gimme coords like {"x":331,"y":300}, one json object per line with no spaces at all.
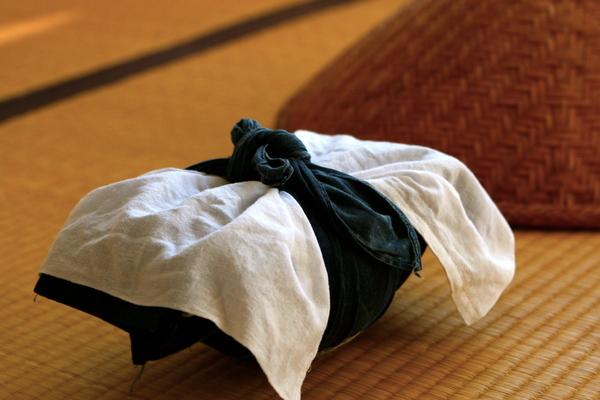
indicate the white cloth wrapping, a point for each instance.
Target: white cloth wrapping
{"x":445,"y":203}
{"x":244,"y":255}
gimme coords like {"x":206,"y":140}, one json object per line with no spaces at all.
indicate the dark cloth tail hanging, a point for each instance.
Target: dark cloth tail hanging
{"x":373,"y":222}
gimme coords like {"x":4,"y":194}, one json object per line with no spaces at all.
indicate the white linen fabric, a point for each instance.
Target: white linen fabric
{"x":445,"y":203}
{"x":244,"y":255}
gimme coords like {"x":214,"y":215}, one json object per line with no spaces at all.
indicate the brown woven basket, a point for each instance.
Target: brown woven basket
{"x":512,"y":88}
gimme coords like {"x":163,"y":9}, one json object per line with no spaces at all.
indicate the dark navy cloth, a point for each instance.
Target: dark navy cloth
{"x":368,"y":245}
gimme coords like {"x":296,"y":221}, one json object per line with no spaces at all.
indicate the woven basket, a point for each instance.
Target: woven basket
{"x":512,"y":88}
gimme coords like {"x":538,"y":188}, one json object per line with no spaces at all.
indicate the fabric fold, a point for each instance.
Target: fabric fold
{"x":242,"y":255}
{"x":446,"y":204}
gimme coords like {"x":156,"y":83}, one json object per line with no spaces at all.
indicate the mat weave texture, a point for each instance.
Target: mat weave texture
{"x":540,"y":342}
{"x":512,"y":88}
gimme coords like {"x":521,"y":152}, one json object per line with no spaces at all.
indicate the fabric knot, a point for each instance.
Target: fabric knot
{"x":263,"y":154}
{"x":369,"y":246}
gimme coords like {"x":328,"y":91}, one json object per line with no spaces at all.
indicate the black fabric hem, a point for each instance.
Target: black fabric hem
{"x":155,"y":332}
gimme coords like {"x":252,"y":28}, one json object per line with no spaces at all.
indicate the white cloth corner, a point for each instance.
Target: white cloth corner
{"x":242,"y":255}
{"x":445,"y":203}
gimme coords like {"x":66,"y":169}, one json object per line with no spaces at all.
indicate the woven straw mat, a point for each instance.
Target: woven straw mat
{"x":541,"y":341}
{"x":512,"y":88}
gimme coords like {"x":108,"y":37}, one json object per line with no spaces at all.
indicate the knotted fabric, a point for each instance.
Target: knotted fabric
{"x":175,"y":256}
{"x":251,"y":161}
{"x":368,"y":245}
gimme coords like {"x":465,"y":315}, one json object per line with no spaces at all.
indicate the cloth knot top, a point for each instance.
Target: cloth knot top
{"x":368,"y":245}
{"x":263,"y":154}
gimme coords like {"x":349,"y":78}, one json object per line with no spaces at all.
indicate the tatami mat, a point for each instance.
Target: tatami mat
{"x":540,"y":342}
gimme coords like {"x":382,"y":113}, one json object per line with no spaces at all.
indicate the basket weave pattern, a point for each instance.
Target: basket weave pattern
{"x":512,"y":88}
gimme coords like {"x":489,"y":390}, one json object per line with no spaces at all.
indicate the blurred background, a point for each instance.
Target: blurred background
{"x":84,"y":83}
{"x":94,"y":92}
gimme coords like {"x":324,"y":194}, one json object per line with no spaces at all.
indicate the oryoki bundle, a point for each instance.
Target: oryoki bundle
{"x":293,"y":245}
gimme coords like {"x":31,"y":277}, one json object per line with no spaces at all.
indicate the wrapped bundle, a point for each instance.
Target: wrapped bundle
{"x":294,"y":244}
